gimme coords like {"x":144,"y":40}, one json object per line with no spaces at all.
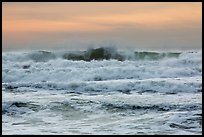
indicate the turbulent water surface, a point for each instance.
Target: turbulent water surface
{"x":101,"y":92}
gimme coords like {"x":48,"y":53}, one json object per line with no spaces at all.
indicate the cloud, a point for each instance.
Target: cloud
{"x":66,"y":16}
{"x":145,"y":24}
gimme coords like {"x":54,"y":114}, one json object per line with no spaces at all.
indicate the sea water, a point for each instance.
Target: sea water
{"x":143,"y":93}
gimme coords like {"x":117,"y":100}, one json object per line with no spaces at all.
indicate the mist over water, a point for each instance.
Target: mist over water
{"x":102,"y":91}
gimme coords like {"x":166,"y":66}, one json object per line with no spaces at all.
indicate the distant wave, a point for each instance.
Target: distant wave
{"x":42,"y":56}
{"x":107,"y":53}
{"x":111,"y":53}
{"x":101,"y":53}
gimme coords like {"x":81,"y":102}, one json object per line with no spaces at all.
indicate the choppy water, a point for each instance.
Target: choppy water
{"x":46,"y":93}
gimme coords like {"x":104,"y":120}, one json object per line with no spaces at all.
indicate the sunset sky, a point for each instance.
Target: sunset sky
{"x":78,"y":25}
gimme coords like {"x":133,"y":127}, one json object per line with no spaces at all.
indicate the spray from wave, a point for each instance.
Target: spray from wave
{"x":101,"y":53}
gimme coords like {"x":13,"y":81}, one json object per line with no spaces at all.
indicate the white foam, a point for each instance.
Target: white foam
{"x":160,"y":75}
{"x":90,"y":87}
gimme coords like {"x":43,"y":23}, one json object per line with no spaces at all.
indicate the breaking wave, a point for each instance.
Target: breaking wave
{"x":168,"y":86}
{"x":100,"y":90}
{"x":101,"y":53}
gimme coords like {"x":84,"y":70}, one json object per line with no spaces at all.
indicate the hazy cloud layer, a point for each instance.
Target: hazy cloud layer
{"x":77,"y":25}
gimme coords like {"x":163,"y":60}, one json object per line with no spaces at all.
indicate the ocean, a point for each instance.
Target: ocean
{"x":102,"y":91}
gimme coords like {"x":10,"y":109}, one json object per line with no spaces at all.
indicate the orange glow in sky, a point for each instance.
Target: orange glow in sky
{"x":135,"y":22}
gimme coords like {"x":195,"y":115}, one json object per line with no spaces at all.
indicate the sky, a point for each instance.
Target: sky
{"x":78,"y":25}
